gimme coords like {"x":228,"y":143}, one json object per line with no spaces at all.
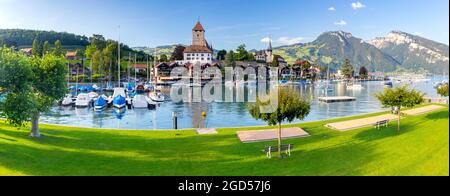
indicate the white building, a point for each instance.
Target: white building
{"x":200,"y":52}
{"x":265,"y":55}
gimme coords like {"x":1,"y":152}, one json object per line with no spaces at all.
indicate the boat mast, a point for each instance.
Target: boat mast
{"x":135,"y":73}
{"x":118,"y":60}
{"x":148,"y":70}
{"x":128,"y":69}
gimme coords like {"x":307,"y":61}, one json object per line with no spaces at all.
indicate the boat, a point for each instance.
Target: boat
{"x":229,"y":83}
{"x":388,"y":84}
{"x":157,"y":96}
{"x":119,"y":99}
{"x":101,"y":103}
{"x":67,"y":101}
{"x":355,"y":87}
{"x":140,"y":100}
{"x":83,"y":101}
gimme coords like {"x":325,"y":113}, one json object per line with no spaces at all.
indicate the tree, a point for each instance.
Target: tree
{"x":37,"y":51}
{"x":251,"y":57}
{"x":347,"y":69}
{"x":45,"y":48}
{"x":363,"y":73}
{"x":400,"y":97}
{"x":221,"y":55}
{"x":90,"y":50}
{"x":242,"y":54}
{"x":230,"y":61}
{"x":443,"y":90}
{"x":178,"y":53}
{"x":33,"y":85}
{"x":163,"y":58}
{"x":290,"y":107}
{"x":58,"y":48}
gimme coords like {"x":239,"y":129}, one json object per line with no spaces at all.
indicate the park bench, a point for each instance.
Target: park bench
{"x":380,"y":124}
{"x":270,"y":149}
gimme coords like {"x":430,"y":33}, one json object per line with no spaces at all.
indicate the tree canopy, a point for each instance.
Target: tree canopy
{"x":31,"y":84}
{"x":290,"y":107}
{"x":347,"y":69}
{"x":399,"y":98}
{"x":443,"y":90}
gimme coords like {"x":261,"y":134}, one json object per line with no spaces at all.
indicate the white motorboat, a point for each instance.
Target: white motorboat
{"x":140,"y":100}
{"x":157,"y":96}
{"x":355,"y":87}
{"x":83,"y":100}
{"x":67,"y":101}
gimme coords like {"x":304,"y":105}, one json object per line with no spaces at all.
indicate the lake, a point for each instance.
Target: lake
{"x":220,"y":114}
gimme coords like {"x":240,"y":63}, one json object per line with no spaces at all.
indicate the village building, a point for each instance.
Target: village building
{"x":71,"y":55}
{"x":27,"y":51}
{"x":267,"y":56}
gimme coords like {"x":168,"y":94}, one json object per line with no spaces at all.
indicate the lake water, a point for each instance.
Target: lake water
{"x":221,"y":114}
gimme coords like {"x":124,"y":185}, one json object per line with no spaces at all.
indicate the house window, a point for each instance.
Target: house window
{"x":203,"y":59}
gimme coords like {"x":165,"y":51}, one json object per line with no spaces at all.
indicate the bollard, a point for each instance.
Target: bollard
{"x":175,"y":121}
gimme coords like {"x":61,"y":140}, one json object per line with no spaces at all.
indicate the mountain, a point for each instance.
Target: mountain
{"x":24,"y":38}
{"x":413,"y":51}
{"x":332,"y":48}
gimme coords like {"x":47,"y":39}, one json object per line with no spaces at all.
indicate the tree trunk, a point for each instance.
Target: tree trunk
{"x":35,"y":126}
{"x":279,"y":141}
{"x":399,"y":117}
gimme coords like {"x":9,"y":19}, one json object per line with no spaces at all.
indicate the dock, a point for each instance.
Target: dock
{"x":337,"y":99}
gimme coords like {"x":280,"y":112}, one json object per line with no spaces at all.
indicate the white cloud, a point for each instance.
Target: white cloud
{"x":289,"y":40}
{"x":358,"y":5}
{"x":283,"y":40}
{"x":340,"y":23}
{"x":266,"y":40}
{"x":332,"y":9}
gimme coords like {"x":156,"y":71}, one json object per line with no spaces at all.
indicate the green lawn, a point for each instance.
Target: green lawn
{"x":421,"y":148}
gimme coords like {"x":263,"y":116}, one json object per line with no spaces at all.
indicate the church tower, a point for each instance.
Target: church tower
{"x":198,"y":35}
{"x":269,"y":52}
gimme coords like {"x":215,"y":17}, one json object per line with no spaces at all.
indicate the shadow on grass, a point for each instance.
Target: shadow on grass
{"x":346,"y":159}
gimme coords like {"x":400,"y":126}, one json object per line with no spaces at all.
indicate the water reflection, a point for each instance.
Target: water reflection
{"x":224,"y":114}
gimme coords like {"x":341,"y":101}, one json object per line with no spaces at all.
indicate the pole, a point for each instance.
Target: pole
{"x":135,"y":73}
{"x":175,"y":120}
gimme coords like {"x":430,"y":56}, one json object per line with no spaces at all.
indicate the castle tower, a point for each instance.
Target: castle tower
{"x":198,"y":35}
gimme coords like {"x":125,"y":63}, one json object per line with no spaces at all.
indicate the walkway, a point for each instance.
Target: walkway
{"x":269,"y":135}
{"x":371,"y":121}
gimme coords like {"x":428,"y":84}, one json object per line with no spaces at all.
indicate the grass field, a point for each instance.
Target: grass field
{"x":421,"y":148}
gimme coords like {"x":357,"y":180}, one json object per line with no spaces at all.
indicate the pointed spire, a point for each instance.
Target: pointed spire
{"x":270,"y":44}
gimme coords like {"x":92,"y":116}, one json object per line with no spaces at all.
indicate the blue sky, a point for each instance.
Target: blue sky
{"x":229,"y":22}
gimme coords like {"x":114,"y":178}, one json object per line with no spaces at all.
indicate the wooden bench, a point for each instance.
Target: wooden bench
{"x":381,"y":124}
{"x":270,"y":149}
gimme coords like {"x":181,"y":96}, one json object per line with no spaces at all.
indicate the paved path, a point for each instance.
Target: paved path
{"x":204,"y":131}
{"x":360,"y":123}
{"x":371,"y":121}
{"x":423,"y":110}
{"x":269,"y":135}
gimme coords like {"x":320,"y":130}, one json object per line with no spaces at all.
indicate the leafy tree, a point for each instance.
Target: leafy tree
{"x":400,"y":97}
{"x":347,"y":69}
{"x":363,"y":73}
{"x":221,"y":55}
{"x":443,"y":90}
{"x":90,"y":50}
{"x":242,"y":54}
{"x":178,"y":53}
{"x":37,"y":51}
{"x":45,"y":48}
{"x":290,"y":107}
{"x":58,"y":48}
{"x":163,"y":58}
{"x":230,"y":60}
{"x":251,"y":57}
{"x":33,"y":85}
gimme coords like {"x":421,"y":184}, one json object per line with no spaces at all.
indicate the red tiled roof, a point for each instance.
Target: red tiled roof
{"x":197,"y":49}
{"x":139,"y":66}
{"x":198,"y":27}
{"x":71,"y":54}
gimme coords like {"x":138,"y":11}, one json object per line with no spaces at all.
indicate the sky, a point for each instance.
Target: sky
{"x":228,"y":23}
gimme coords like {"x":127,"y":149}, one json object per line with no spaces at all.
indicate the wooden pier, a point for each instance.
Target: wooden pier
{"x":337,"y":99}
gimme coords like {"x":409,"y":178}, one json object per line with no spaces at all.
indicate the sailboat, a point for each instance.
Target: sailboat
{"x":119,"y":98}
{"x":156,"y":96}
{"x":83,"y":100}
{"x":101,"y":103}
{"x":67,"y":101}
